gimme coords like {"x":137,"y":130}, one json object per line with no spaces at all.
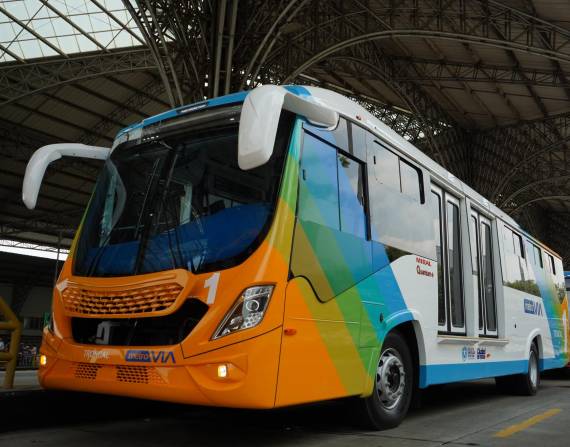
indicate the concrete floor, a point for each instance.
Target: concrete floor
{"x":463,"y":414}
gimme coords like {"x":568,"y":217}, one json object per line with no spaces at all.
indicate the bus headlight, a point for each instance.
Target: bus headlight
{"x":247,"y":312}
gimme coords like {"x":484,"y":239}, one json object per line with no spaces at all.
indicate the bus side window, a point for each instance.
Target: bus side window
{"x":386,"y":168}
{"x":410,"y":179}
{"x":559,"y":280}
{"x":351,"y":196}
{"x":398,"y":211}
{"x":318,"y":199}
{"x":550,"y":263}
{"x":330,"y":247}
{"x":517,"y":241}
{"x":337,"y":137}
{"x":518,"y":275}
{"x":537,"y":256}
{"x":358,"y":148}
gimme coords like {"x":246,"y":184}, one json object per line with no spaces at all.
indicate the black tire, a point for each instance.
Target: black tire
{"x":523,"y":384}
{"x":505,"y":384}
{"x":383,"y":410}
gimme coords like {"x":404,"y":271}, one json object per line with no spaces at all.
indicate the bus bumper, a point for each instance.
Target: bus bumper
{"x":241,"y":375}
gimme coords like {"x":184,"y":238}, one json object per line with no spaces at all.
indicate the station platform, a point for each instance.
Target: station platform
{"x":24,"y":381}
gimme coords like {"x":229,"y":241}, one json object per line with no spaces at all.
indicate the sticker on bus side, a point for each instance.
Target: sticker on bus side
{"x":532,"y":307}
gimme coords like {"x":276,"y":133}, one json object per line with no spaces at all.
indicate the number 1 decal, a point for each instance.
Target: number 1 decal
{"x":212,"y":284}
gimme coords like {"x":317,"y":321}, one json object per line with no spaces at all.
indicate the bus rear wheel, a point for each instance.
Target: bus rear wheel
{"x":388,"y":404}
{"x":523,"y":384}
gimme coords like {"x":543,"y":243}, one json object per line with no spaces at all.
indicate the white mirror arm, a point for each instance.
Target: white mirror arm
{"x":260,"y":119}
{"x":37,"y":165}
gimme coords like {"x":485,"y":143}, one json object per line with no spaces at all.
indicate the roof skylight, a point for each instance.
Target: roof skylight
{"x":41,"y":28}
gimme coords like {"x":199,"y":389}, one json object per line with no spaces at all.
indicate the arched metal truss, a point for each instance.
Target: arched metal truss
{"x":482,"y":86}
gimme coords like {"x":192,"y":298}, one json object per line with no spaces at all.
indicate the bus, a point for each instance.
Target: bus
{"x":283,"y":246}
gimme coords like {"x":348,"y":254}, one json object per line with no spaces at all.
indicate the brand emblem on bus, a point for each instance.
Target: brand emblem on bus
{"x":532,"y":307}
{"x":149,"y":356}
{"x":94,"y":355}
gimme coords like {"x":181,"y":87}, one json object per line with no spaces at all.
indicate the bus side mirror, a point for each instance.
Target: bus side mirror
{"x":37,"y":165}
{"x":260,"y":117}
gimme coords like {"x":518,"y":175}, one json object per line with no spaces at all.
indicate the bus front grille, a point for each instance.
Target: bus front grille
{"x":87,"y":371}
{"x":139,"y":374}
{"x":147,"y":375}
{"x":81,"y":301}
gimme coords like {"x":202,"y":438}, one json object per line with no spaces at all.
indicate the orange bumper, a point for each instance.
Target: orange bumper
{"x":162,"y":373}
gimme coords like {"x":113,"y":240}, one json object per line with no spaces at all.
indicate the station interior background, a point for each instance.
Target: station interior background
{"x":481,"y":86}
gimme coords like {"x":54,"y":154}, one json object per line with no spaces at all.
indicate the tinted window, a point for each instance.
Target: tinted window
{"x":474,"y":239}
{"x":518,"y":247}
{"x":551,"y":266}
{"x":517,"y":274}
{"x":396,"y":218}
{"x":337,"y":137}
{"x":436,"y":204}
{"x":537,"y":256}
{"x":487,"y":277}
{"x":411,"y":181}
{"x":318,"y":200}
{"x":358,"y":142}
{"x":533,"y":252}
{"x":386,"y":170}
{"x":474,"y":244}
{"x":351,"y":196}
{"x":330,"y":247}
{"x":454,"y":259}
{"x":508,"y":240}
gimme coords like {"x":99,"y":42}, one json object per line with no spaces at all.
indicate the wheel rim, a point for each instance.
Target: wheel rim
{"x":533,"y":369}
{"x":390,"y":379}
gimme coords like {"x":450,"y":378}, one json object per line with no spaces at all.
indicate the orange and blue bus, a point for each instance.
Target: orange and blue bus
{"x":283,"y":246}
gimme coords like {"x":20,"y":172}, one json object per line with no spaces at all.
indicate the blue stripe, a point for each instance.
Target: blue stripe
{"x":298,"y":90}
{"x":552,"y":363}
{"x":220,"y":101}
{"x":457,"y":372}
{"x":227,"y":99}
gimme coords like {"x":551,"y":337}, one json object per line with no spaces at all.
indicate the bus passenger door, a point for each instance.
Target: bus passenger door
{"x":482,"y":261}
{"x":451,"y":304}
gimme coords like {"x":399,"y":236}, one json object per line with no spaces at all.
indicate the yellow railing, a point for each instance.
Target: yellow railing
{"x":13,"y":325}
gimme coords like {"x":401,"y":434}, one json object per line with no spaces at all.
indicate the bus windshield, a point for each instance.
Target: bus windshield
{"x":177,"y":202}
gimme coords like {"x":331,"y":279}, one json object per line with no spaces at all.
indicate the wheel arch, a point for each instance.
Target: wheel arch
{"x":410,"y":329}
{"x":535,"y":337}
{"x":408,"y":323}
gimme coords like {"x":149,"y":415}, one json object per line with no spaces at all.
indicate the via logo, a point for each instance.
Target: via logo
{"x":532,"y":307}
{"x":136,"y":355}
{"x":464,"y":354}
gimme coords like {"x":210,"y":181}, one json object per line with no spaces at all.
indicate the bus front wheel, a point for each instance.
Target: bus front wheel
{"x":388,"y":404}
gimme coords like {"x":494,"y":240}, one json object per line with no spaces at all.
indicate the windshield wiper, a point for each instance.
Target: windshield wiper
{"x":149,"y":227}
